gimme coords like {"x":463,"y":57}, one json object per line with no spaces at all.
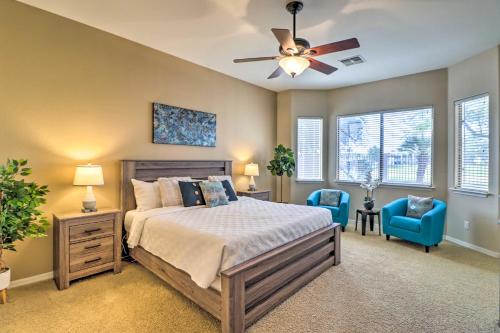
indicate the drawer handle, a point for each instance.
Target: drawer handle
{"x":92,"y":260}
{"x":91,"y":246}
{"x":89,"y":231}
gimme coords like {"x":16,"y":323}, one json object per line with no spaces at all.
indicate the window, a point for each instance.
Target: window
{"x":392,"y":146}
{"x":472,"y":143}
{"x":310,"y":149}
{"x":358,"y":147}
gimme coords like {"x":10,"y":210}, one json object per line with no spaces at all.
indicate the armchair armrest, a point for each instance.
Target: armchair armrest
{"x":345,"y":201}
{"x":313,"y":199}
{"x":433,"y":221}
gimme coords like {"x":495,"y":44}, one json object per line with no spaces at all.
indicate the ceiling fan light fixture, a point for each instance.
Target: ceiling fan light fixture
{"x":294,"y":65}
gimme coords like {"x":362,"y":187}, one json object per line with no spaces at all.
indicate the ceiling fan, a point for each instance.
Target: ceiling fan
{"x":296,"y":54}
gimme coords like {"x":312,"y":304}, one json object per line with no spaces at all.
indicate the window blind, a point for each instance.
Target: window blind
{"x":309,"y":149}
{"x":358,"y":147}
{"x":394,"y":147}
{"x":407,"y":147}
{"x":472,"y":143}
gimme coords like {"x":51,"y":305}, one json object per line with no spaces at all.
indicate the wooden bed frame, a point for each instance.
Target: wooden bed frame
{"x":252,"y":288}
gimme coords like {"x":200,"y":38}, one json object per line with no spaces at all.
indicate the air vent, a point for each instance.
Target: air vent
{"x":353,"y":60}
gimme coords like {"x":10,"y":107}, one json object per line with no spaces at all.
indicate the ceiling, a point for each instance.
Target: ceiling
{"x":397,"y":37}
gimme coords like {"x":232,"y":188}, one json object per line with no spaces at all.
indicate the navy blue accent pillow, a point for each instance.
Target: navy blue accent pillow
{"x":231,"y":196}
{"x":191,"y":194}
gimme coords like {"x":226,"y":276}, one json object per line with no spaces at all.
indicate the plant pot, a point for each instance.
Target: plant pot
{"x":369,"y":204}
{"x":4,"y":278}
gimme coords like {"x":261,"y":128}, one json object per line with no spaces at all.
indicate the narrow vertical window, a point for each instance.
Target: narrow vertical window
{"x":472,"y":144}
{"x":310,"y":149}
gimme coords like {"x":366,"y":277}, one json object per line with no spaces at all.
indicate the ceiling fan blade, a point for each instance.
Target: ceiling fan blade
{"x":276,"y":73}
{"x":284,"y":36}
{"x":253,"y":59}
{"x":342,"y":45}
{"x":321,"y":66}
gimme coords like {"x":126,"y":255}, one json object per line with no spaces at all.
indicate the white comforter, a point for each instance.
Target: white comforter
{"x":205,"y":241}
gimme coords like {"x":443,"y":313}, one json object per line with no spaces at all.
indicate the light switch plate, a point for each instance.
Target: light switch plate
{"x":467,"y":225}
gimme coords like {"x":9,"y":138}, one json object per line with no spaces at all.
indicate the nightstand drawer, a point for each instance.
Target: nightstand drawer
{"x":90,"y":247}
{"x":91,"y":260}
{"x":90,"y":230}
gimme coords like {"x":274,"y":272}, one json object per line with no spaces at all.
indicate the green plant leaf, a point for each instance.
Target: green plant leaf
{"x":19,"y":201}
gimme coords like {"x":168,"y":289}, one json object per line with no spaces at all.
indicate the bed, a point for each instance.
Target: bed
{"x":247,"y":286}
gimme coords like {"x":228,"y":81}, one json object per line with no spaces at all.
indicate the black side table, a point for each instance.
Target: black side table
{"x":364,"y":213}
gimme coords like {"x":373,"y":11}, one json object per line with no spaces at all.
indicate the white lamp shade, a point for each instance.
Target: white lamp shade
{"x":252,"y":169}
{"x":88,"y":175}
{"x":294,"y":65}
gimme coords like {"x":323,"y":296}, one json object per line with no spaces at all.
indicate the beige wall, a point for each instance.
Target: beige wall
{"x":423,"y":89}
{"x":284,"y":130}
{"x":71,"y":94}
{"x":476,"y":75}
{"x":291,"y":105}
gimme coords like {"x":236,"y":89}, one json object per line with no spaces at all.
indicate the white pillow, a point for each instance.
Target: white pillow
{"x":170,"y":192}
{"x":147,"y":195}
{"x":221,"y":178}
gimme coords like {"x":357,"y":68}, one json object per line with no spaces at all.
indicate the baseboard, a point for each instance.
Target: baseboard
{"x":32,"y":279}
{"x":50,"y":275}
{"x":472,"y":247}
{"x":462,"y":243}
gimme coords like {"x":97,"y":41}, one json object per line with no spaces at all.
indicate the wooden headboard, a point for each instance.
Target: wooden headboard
{"x":149,"y":171}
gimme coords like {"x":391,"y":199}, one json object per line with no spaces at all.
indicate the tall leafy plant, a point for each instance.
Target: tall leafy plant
{"x":20,"y":216}
{"x":282,"y":164}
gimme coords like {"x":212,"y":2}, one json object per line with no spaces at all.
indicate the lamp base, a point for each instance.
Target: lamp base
{"x":89,"y":202}
{"x":89,"y":207}
{"x":251,"y":185}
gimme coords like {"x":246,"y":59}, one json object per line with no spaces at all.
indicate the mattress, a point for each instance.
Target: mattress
{"x":205,"y":241}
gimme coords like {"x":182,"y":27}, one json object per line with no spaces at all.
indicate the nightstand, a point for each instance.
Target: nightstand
{"x":86,"y":244}
{"x":260,"y":195}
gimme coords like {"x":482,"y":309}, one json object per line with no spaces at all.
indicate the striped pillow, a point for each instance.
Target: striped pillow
{"x":170,"y":192}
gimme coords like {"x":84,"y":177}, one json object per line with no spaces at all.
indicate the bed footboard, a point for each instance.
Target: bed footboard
{"x":255,"y":287}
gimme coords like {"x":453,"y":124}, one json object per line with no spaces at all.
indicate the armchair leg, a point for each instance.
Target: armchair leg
{"x":343,"y":228}
{"x":426,"y":249}
{"x":387,"y":236}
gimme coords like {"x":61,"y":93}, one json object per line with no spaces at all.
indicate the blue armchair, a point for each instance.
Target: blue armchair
{"x":427,"y":231}
{"x":340,"y":214}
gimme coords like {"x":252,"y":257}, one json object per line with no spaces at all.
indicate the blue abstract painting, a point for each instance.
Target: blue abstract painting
{"x":178,"y":126}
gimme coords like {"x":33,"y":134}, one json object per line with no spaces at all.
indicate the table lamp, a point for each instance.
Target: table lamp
{"x":251,"y":170}
{"x":88,"y":175}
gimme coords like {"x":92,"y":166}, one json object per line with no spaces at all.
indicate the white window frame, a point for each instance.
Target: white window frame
{"x":456,"y":187}
{"x":387,"y":184}
{"x":321,"y":179}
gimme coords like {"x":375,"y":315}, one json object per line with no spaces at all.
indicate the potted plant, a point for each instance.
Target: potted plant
{"x":19,"y":213}
{"x":369,"y":185}
{"x":283,"y":163}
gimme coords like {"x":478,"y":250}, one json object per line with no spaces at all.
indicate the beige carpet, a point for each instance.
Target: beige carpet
{"x":379,"y":287}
